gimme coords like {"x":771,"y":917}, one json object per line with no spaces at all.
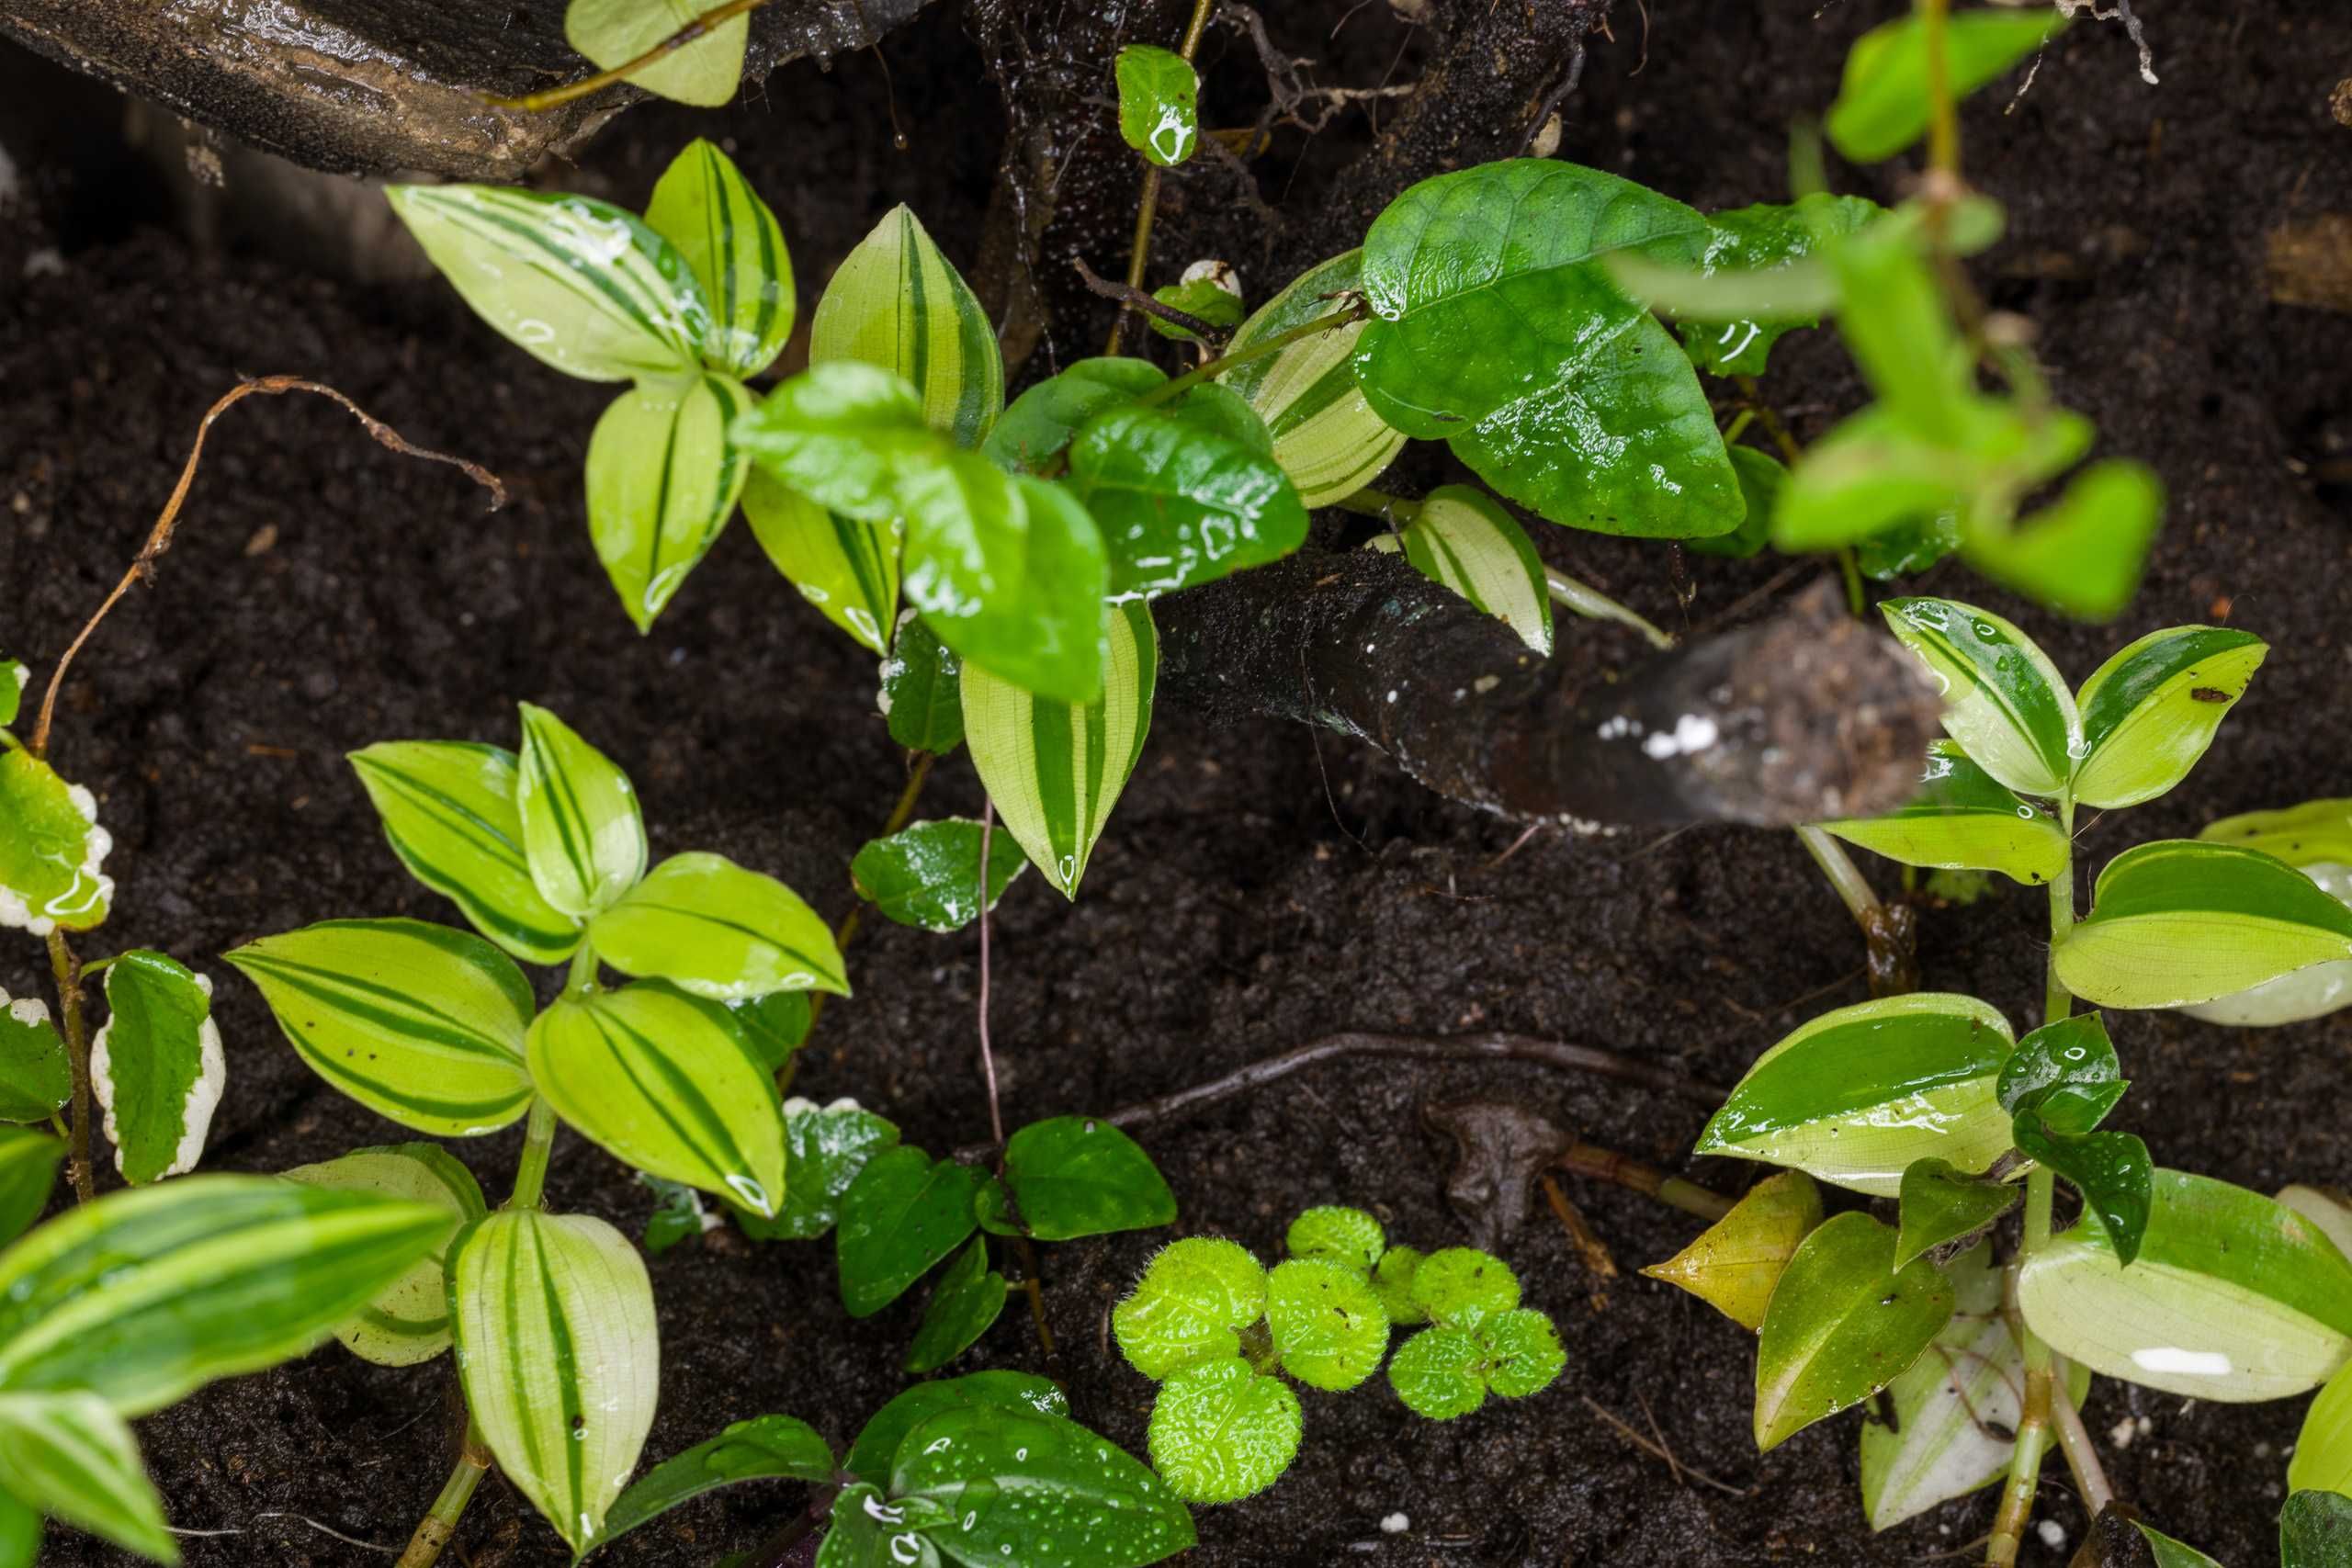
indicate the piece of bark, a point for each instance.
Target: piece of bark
{"x":1808,"y":715}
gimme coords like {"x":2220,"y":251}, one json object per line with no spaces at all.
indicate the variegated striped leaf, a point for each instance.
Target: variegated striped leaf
{"x":1963,"y":820}
{"x":150,"y":1293}
{"x":1325,"y":436}
{"x":1856,"y":1095}
{"x":2004,"y":701}
{"x":449,"y":814}
{"x":408,"y":1320}
{"x":662,"y":1081}
{"x":1056,"y":771}
{"x":28,"y":1170}
{"x":662,"y":478}
{"x":156,"y":1067}
{"x":895,"y":302}
{"x":71,"y":1457}
{"x":719,"y":930}
{"x":417,"y":1022}
{"x":559,"y":1356}
{"x":2181,"y":921}
{"x":1463,"y":538}
{"x":2150,"y":712}
{"x":703,"y":205}
{"x":2234,"y":1297}
{"x":846,"y":567}
{"x":581,"y":828}
{"x":577,"y":283}
{"x":50,"y":850}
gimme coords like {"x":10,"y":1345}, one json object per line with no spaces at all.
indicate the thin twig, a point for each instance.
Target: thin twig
{"x":700,"y":27}
{"x":1657,"y":1452}
{"x":67,"y":969}
{"x":1208,"y":331}
{"x":988,"y":1056}
{"x":1590,"y":1247}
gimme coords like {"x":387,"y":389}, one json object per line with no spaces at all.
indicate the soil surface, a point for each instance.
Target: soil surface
{"x":1259,"y":885}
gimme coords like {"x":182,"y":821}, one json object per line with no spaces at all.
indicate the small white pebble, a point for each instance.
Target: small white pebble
{"x":1395,"y":1524}
{"x":2261,"y":1450}
{"x":2124,"y":1431}
{"x":2052,"y":1535}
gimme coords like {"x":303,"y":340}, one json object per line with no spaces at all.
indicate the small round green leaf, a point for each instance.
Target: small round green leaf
{"x":1462,"y":1287}
{"x":1438,"y":1374}
{"x":1844,"y":1323}
{"x":1392,"y":1280}
{"x":1522,"y":1352}
{"x":1158,"y":116}
{"x":1075,"y":1176}
{"x":1328,"y":1326}
{"x":903,"y":1214}
{"x":1194,"y":1298}
{"x":928,"y":874}
{"x":1346,"y":1236}
{"x":1180,"y":503}
{"x":1220,"y":1431}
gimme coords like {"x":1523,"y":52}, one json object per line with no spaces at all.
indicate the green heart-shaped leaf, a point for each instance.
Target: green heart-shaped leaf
{"x":903,"y":1214}
{"x":1158,"y":115}
{"x":966,"y":1299}
{"x":1075,"y":1176}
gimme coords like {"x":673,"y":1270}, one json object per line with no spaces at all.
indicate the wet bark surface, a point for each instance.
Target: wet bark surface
{"x":1261,"y":884}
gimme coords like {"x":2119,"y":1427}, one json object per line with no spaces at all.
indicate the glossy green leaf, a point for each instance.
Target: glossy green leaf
{"x":923,"y":695}
{"x":655,"y":1078}
{"x":1462,"y":1287}
{"x":824,"y":1149}
{"x":1734,"y":1263}
{"x":1076,"y":1175}
{"x":1329,"y":1328}
{"x":2232,"y":1297}
{"x":71,"y":1456}
{"x":1463,"y":538}
{"x":1963,"y":820}
{"x":1179,"y":504}
{"x":2150,"y":712}
{"x":560,"y":1358}
{"x":1393,"y":1279}
{"x":50,"y":850}
{"x":148,"y":1295}
{"x":408,"y":1320}
{"x":903,"y":1214}
{"x":1856,"y":1095}
{"x":839,"y":434}
{"x":156,"y":1065}
{"x":1761,"y":480}
{"x":1882,"y":104}
{"x":1436,"y":1374}
{"x":417,"y":1022}
{"x":449,"y":812}
{"x":929,"y":875}
{"x":866,"y":1530}
{"x":662,"y":480}
{"x":2060,"y":1083}
{"x":2314,"y":1531}
{"x":703,"y":205}
{"x":1203,"y":298}
{"x":578,"y":283}
{"x":2169,"y":1553}
{"x":2070,"y":1053}
{"x":1908,"y":548}
{"x":2084,"y":553}
{"x":613,"y":33}
{"x":2004,"y":701}
{"x":29,"y":1162}
{"x":897,"y":303}
{"x":1044,"y":629}
{"x":581,"y":829}
{"x":1953,"y":1406}
{"x":1754,"y":243}
{"x":2323,"y":1457}
{"x":847,"y":567}
{"x":967,"y":1299}
{"x":1158,"y":113}
{"x":1193,"y":1298}
{"x":1523,"y":1353}
{"x":1042,"y":422}
{"x":1221,"y":1431}
{"x":1326,"y":435}
{"x":878,"y":1441}
{"x":1941,"y":1206}
{"x":1843,"y":1324}
{"x":35,"y":1078}
{"x":1342,"y":1235}
{"x":765,"y":1447}
{"x":1036,"y":1492}
{"x":2182,"y":921}
{"x":720,"y":931}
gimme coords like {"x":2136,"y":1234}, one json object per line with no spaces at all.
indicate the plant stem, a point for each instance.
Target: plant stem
{"x":2074,"y":1442}
{"x":531,"y":1170}
{"x":988,"y":1056}
{"x":1148,"y":202}
{"x":1860,"y":900}
{"x":555,"y":96}
{"x":1581,"y":598}
{"x":1943,"y":113}
{"x":1607,"y":1165}
{"x":1379,"y":503}
{"x":77,"y":1053}
{"x":1259,"y":350}
{"x":846,"y":932}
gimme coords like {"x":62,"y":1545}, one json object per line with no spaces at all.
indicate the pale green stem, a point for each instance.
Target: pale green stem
{"x":531,"y":1171}
{"x":1943,"y":121}
{"x":439,"y":1526}
{"x":1583,"y":598}
{"x":1177,"y":388}
{"x":2074,"y":1442}
{"x":1379,"y":503}
{"x":1860,"y":900}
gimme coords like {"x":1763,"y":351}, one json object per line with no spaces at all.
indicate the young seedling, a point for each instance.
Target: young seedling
{"x":1219,"y":1333}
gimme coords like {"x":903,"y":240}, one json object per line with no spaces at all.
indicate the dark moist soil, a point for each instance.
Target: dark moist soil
{"x":1256,"y":889}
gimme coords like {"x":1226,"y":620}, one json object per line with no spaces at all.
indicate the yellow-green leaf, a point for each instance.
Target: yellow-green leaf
{"x":895,"y":302}
{"x":2004,"y":700}
{"x":1843,"y":1323}
{"x":2150,"y":712}
{"x":705,"y":72}
{"x":1736,"y":1261}
{"x":1963,"y":820}
{"x":1463,"y":538}
{"x":408,"y":1320}
{"x":847,"y":567}
{"x":2182,"y":921}
{"x":1327,"y":437}
{"x":71,"y":1456}
{"x":720,"y":931}
{"x":703,"y":205}
{"x":581,"y":828}
{"x":50,"y":850}
{"x":662,"y":480}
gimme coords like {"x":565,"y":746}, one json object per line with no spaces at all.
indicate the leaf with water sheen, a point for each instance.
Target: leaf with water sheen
{"x":450,"y":813}
{"x":928,"y":874}
{"x":1325,"y":436}
{"x":156,"y":1065}
{"x":824,"y":1149}
{"x":703,"y":205}
{"x":895,"y":302}
{"x":35,"y":1078}
{"x":903,"y":1214}
{"x":878,"y":1441}
{"x":1037,"y":1492}
{"x":2150,"y":712}
{"x":1882,"y":104}
{"x":1734,"y":1263}
{"x":417,"y":1022}
{"x":847,"y":567}
{"x":2182,"y":920}
{"x":408,"y":1320}
{"x":705,"y":72}
{"x":2234,"y":1297}
{"x":1437,"y":1373}
{"x":559,"y":1356}
{"x":1042,"y":422}
{"x":1045,"y":631}
{"x":720,"y":931}
{"x":2314,"y":1531}
{"x":1344,"y":1236}
{"x":1177,"y":502}
{"x":765,"y":1447}
{"x":1844,"y":1323}
{"x":1221,"y":1431}
{"x":923,"y":697}
{"x":1193,"y":1298}
{"x":967,"y":1299}
{"x":1076,"y":1175}
{"x":71,"y":1456}
{"x":1856,"y":1094}
{"x":1463,"y":538}
{"x":1158,"y":116}
{"x":1963,"y":820}
{"x":581,"y":828}
{"x":50,"y":850}
{"x":1754,"y":243}
{"x":1941,"y":1206}
{"x":662,"y":480}
{"x":29,"y":1162}
{"x":2004,"y":701}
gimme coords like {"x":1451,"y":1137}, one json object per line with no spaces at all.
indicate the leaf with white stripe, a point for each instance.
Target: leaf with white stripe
{"x":415,"y":1021}
{"x":577,"y":283}
{"x":895,"y":302}
{"x":71,"y":1457}
{"x":2182,"y":920}
{"x":720,"y":932}
{"x":450,"y":813}
{"x":1055,"y":771}
{"x":29,"y":1163}
{"x":2004,"y":700}
{"x":662,"y":480}
{"x":156,"y":1065}
{"x":665,"y":1083}
{"x":581,"y":828}
{"x":1963,"y":820}
{"x":50,"y":850}
{"x":559,"y":1356}
{"x":2150,"y":712}
{"x":1325,"y":436}
{"x":847,"y":567}
{"x":1463,"y":538}
{"x":35,"y":1078}
{"x":703,"y":205}
{"x":705,"y":72}
{"x":408,"y":1320}
{"x":148,"y":1295}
